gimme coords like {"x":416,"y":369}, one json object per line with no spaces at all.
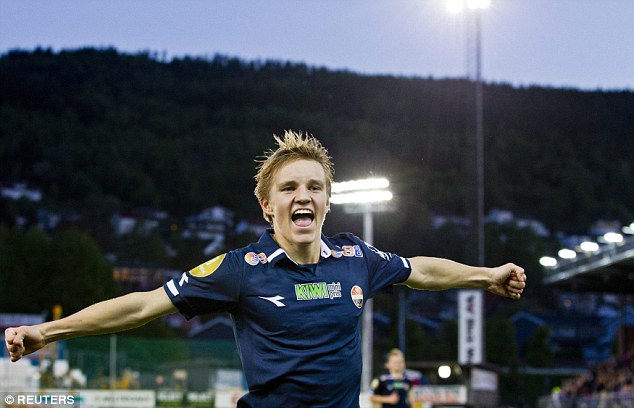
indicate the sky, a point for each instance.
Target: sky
{"x":581,"y":44}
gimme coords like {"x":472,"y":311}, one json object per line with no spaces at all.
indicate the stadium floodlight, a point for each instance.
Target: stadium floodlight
{"x":457,"y":6}
{"x":363,"y":184}
{"x":567,"y":254}
{"x":371,"y":190}
{"x":360,"y":197}
{"x":548,"y":261}
{"x":613,"y":238}
{"x":589,"y":246}
{"x":365,"y":196}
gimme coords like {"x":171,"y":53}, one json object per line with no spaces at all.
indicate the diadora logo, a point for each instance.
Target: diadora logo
{"x":319,"y":290}
{"x":275,"y":300}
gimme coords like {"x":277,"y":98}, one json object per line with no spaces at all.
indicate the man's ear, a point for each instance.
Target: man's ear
{"x":266,"y":206}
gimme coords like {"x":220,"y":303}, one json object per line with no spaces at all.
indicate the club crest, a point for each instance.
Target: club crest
{"x":356,"y":293}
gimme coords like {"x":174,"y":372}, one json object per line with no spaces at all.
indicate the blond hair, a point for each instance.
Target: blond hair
{"x":395,"y":352}
{"x":293,"y":146}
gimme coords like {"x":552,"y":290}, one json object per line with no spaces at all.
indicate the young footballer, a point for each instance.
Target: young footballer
{"x":295,"y":296}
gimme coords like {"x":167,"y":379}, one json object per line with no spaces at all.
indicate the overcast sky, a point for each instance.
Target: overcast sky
{"x":585,"y":44}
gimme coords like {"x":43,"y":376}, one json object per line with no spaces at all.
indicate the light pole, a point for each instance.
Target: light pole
{"x":470,"y":312}
{"x":475,"y":8}
{"x":479,"y":135}
{"x":365,"y":196}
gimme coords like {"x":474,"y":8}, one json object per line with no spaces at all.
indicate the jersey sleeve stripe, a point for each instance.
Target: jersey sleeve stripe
{"x":172,"y":288}
{"x":405,"y":263}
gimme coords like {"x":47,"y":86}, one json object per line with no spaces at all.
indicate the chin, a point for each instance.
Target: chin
{"x":306,"y":236}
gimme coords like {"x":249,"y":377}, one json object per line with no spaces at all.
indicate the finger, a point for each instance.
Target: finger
{"x":9,"y":334}
{"x":521,"y":275}
{"x":515,"y":285}
{"x":15,"y":347}
{"x":17,"y":338}
{"x":16,"y":352}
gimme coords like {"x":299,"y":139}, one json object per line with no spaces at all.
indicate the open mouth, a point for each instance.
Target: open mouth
{"x":303,"y":218}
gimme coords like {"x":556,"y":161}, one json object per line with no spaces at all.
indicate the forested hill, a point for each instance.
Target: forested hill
{"x":99,"y":128}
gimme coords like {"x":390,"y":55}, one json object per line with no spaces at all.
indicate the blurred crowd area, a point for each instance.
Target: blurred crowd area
{"x":608,"y":384}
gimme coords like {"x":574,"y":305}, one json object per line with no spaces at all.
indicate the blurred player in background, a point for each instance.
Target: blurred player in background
{"x":393,"y":389}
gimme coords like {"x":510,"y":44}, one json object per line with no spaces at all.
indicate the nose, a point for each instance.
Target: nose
{"x":303,"y":195}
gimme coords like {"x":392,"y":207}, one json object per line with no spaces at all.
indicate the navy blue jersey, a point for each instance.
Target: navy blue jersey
{"x":296,"y":326}
{"x":388,"y":384}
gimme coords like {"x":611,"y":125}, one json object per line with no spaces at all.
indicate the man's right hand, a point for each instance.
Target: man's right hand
{"x":393,"y":398}
{"x":23,"y":340}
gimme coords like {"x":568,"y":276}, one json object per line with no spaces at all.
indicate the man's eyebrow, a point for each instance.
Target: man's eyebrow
{"x":287,"y":182}
{"x":294,"y":182}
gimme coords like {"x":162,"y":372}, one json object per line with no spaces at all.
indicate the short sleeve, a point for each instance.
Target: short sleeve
{"x":378,"y":387}
{"x":211,"y":287}
{"x":385,"y":269}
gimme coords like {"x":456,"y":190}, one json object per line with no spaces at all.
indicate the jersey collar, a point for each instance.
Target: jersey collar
{"x":274,"y":253}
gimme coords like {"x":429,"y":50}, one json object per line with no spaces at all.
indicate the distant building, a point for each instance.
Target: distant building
{"x":47,"y":220}
{"x":134,"y":278}
{"x":498,"y":216}
{"x":495,"y":216}
{"x":20,"y":191}
{"x":590,"y":336}
{"x":212,"y":224}
{"x":255,"y":226}
{"x":122,"y":224}
{"x":144,"y":220}
{"x":439,"y":221}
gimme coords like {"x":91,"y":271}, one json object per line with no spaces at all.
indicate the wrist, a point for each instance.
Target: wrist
{"x":50,"y":331}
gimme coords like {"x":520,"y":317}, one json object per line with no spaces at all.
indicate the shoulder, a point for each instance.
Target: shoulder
{"x":379,"y":381}
{"x":385,"y":377}
{"x":236,"y":259}
{"x":344,"y":238}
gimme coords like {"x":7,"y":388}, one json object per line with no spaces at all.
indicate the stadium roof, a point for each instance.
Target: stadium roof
{"x":610,"y":270}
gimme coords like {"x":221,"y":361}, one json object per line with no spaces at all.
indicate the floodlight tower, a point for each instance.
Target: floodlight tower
{"x":470,"y":311}
{"x":366,"y":197}
{"x":475,"y":8}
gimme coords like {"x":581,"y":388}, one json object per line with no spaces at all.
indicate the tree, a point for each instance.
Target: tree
{"x":41,"y":272}
{"x":81,"y":275}
{"x":24,"y":271}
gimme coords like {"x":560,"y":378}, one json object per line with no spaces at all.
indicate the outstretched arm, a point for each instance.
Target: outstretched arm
{"x":438,"y":274}
{"x":118,"y":314}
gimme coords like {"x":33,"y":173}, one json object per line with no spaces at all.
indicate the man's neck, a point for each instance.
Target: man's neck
{"x":304,"y":254}
{"x":397,"y":374}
